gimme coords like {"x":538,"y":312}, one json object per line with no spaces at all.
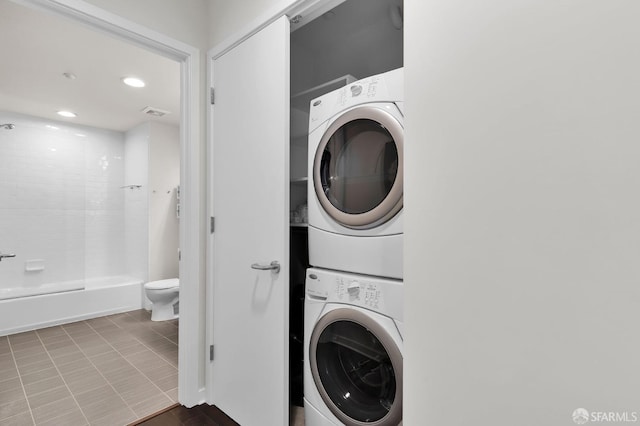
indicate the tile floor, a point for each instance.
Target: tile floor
{"x":105,"y":371}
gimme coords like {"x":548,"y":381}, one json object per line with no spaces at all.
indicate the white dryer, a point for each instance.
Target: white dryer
{"x":353,"y":350}
{"x":355,"y":192}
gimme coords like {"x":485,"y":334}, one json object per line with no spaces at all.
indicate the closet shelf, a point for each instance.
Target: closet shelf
{"x":300,"y":105}
{"x":301,"y":99}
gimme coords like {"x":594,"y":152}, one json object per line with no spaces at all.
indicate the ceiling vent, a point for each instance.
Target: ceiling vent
{"x":156,"y":112}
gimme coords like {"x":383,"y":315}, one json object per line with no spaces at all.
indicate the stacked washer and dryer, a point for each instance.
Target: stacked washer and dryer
{"x":353,"y":316}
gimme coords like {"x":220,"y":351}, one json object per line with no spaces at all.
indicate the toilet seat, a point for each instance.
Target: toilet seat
{"x":162,"y":284}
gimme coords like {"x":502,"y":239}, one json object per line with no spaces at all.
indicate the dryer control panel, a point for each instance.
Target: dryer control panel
{"x":366,"y":88}
{"x":385,"y":87}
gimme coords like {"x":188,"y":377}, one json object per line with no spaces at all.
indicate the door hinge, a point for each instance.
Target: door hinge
{"x":213,"y":224}
{"x":213,"y":98}
{"x":211,"y":353}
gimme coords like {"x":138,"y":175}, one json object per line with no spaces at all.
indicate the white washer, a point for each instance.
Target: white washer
{"x":355,"y":191}
{"x":353,"y":350}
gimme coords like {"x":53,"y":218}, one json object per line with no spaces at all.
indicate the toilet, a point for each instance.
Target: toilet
{"x":163,"y":295}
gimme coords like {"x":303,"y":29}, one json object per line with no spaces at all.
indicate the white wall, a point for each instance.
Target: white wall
{"x":164,"y":179}
{"x":61,"y":201}
{"x":521,"y":211}
{"x":152,"y":160}
{"x":184,"y":21}
{"x":226,"y":18}
{"x":104,"y":201}
{"x":137,"y":201}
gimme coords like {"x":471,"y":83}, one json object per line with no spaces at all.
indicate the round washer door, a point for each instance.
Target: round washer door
{"x":357,"y":369}
{"x":358,"y":167}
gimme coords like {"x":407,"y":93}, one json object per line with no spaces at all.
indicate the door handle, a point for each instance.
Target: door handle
{"x":273,"y":266}
{"x":3,"y":255}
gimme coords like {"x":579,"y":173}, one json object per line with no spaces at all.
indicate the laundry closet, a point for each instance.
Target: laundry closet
{"x":352,"y":41}
{"x":263,"y":84}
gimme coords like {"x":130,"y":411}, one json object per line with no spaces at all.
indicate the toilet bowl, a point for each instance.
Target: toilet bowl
{"x":163,"y":295}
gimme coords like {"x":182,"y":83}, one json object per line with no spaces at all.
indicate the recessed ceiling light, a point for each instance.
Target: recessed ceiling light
{"x":67,"y":114}
{"x":133,"y":82}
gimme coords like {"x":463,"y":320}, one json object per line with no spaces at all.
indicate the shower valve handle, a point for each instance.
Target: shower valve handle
{"x":3,"y":255}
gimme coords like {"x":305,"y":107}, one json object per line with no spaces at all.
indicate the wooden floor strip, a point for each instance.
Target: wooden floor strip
{"x":150,"y":416}
{"x":200,"y":415}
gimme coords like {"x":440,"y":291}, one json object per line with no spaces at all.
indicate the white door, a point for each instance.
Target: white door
{"x":251,"y":209}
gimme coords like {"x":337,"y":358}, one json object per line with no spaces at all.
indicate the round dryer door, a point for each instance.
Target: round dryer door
{"x":357,"y":368}
{"x":357,"y":168}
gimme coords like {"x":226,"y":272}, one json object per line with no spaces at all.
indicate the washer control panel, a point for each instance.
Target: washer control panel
{"x":381,"y":295}
{"x":347,"y":289}
{"x":358,"y":292}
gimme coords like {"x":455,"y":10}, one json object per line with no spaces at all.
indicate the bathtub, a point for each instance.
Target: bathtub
{"x":24,"y":309}
{"x":17,"y":292}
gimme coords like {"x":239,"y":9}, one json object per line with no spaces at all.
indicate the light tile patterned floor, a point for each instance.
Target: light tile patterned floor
{"x":104,"y":371}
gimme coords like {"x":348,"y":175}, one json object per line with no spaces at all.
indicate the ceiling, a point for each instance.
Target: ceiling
{"x":42,"y":47}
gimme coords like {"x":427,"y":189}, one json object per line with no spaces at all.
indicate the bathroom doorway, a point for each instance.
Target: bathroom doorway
{"x":95,"y":237}
{"x":91,"y":165}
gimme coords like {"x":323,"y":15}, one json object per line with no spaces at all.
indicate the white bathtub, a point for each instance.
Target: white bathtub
{"x":74,"y":302}
{"x":17,"y":292}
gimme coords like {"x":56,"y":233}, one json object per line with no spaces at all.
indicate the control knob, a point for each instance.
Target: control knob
{"x":353,"y":288}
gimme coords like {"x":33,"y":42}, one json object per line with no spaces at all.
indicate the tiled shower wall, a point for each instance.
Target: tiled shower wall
{"x":61,"y":201}
{"x":136,"y":201}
